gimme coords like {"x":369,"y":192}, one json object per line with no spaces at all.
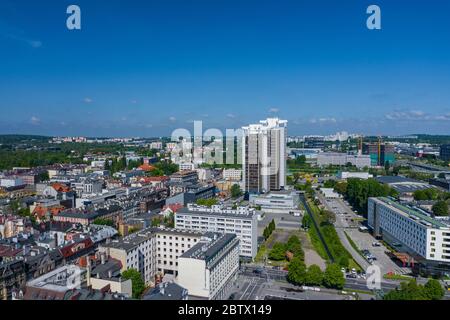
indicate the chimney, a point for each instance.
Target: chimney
{"x":88,"y":268}
{"x":103,"y":258}
{"x":109,"y":273}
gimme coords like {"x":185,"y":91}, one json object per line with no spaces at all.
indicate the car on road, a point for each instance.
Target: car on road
{"x":376,"y":244}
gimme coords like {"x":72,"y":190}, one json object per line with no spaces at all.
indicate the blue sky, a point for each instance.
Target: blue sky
{"x":144,"y":68}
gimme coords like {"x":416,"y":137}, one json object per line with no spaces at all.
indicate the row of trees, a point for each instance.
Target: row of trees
{"x":299,"y":274}
{"x":269,"y":229}
{"x":358,"y":191}
{"x":104,"y":222}
{"x":430,"y":194}
{"x":432,"y":290}
{"x":440,"y":208}
{"x":28,"y":158}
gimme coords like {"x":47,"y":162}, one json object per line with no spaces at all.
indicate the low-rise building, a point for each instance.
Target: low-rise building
{"x":343,"y":175}
{"x":342,"y":159}
{"x":277,"y":201}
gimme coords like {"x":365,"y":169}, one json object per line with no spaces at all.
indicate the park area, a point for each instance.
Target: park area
{"x":282,"y":236}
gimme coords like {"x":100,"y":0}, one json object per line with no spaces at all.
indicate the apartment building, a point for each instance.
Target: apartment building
{"x":232,"y":174}
{"x":152,"y":251}
{"x":209,"y":269}
{"x":242,"y":222}
{"x":413,"y":231}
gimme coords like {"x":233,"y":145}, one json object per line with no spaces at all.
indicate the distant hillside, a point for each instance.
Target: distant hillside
{"x":21,"y":138}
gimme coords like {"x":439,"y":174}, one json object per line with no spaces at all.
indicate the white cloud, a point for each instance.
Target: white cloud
{"x":231,"y":116}
{"x":30,"y":42}
{"x":274,"y":110}
{"x":134,"y":101}
{"x":172,"y":119}
{"x":323,"y":120}
{"x":88,"y":100}
{"x":416,"y":115}
{"x":35,"y":121}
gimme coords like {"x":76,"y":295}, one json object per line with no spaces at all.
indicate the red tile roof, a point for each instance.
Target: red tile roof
{"x":146,"y":167}
{"x":59,"y":187}
{"x":174,"y":207}
{"x":73,"y":248}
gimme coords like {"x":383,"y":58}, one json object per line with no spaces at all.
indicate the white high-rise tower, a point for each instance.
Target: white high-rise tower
{"x":264,"y":155}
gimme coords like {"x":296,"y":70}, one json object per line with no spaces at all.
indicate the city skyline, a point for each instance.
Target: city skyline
{"x":146,"y":69}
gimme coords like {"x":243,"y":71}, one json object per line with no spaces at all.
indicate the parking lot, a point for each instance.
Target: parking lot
{"x":349,"y":222}
{"x":282,"y":221}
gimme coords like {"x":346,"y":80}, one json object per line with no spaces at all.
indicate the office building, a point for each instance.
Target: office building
{"x":314,"y":142}
{"x":152,"y":251}
{"x":444,"y":152}
{"x":342,"y":159}
{"x":264,"y":155}
{"x":380,"y":153}
{"x":411,"y":230}
{"x":277,"y":201}
{"x":232,"y":174}
{"x":209,"y":269}
{"x":243,"y":222}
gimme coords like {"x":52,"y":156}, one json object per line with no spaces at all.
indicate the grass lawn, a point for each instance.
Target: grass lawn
{"x":261,"y":254}
{"x":397,"y":277}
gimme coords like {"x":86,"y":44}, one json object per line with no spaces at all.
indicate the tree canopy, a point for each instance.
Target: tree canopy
{"x":137,"y":284}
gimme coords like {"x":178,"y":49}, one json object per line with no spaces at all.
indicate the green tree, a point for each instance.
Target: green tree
{"x":341,"y":187}
{"x":43,"y":176}
{"x":328,"y":217}
{"x":104,"y":222}
{"x":137,"y":284}
{"x":434,"y":290}
{"x":407,"y":291}
{"x":333,"y":277}
{"x":296,"y":272}
{"x":440,"y":208}
{"x":387,"y":166}
{"x":278,"y":252}
{"x":236,"y":191}
{"x":314,"y":276}
{"x":306,"y":221}
{"x":295,"y":247}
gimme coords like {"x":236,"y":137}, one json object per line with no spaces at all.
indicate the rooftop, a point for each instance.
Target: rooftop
{"x":209,"y":246}
{"x":133,"y":240}
{"x":414,"y":214}
{"x":166,"y":291}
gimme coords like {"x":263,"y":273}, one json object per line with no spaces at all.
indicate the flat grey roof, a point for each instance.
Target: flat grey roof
{"x":186,"y":211}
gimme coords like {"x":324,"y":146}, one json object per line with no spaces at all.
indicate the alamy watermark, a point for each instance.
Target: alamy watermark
{"x":236,"y":146}
{"x":73,"y":22}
